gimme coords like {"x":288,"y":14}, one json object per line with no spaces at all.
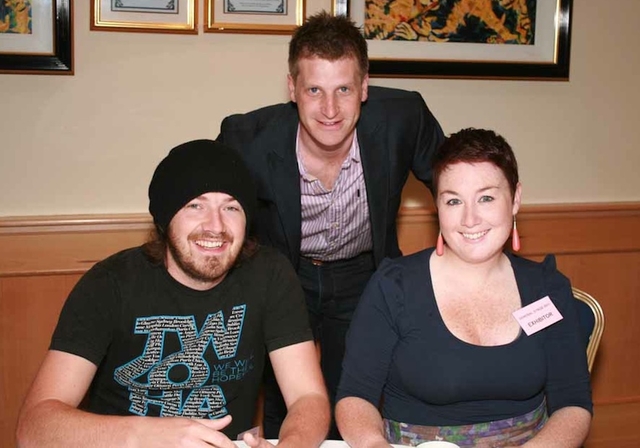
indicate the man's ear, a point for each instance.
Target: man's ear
{"x":291,"y":84}
{"x":365,"y":87}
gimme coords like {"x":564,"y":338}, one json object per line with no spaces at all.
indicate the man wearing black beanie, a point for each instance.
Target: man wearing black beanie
{"x":179,"y":328}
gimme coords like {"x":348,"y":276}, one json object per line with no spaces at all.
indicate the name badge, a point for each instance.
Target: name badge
{"x":537,"y":315}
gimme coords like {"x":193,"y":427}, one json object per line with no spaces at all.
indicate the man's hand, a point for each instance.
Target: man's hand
{"x":255,"y":442}
{"x":174,"y":432}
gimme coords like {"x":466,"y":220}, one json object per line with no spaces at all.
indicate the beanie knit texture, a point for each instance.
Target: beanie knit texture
{"x":195,"y":168}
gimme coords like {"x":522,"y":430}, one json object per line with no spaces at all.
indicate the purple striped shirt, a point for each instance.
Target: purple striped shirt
{"x":335,"y":223}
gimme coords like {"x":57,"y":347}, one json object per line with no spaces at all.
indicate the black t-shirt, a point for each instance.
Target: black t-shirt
{"x":163,"y":349}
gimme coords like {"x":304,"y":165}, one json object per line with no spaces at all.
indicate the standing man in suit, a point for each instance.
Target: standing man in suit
{"x":331,"y":166}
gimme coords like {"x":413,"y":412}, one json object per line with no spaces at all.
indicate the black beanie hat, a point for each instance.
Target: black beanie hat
{"x":195,"y":168}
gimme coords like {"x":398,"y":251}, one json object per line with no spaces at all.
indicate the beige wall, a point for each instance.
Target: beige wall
{"x":88,"y":143}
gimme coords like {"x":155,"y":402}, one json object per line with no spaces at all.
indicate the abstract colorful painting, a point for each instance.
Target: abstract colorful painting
{"x":15,"y":16}
{"x":467,"y":21}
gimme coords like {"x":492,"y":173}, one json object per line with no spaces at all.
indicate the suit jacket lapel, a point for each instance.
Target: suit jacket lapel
{"x":375,"y":165}
{"x":285,"y":179}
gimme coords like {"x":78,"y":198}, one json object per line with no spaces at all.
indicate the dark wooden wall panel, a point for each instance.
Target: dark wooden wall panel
{"x":597,"y":246}
{"x":29,"y":308}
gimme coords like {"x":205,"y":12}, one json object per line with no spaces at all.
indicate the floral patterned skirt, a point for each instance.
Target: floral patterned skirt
{"x":513,"y":431}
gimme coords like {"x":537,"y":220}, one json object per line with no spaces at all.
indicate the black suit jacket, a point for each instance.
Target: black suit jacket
{"x":396,"y":132}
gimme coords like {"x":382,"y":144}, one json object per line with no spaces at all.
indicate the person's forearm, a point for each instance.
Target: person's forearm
{"x":51,"y":424}
{"x":307,"y":422}
{"x":566,"y":428}
{"x":55,"y":424}
{"x":360,"y":423}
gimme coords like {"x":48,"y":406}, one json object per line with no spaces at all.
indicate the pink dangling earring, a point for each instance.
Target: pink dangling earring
{"x":515,"y":237}
{"x":440,"y":245}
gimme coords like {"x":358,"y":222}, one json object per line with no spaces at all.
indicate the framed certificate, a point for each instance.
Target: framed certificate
{"x":149,"y":16}
{"x":254,"y":16}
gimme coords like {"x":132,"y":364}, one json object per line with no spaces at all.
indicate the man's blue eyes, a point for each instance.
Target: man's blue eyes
{"x":316,"y":89}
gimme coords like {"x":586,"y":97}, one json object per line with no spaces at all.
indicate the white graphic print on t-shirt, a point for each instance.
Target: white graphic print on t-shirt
{"x":193,"y":391}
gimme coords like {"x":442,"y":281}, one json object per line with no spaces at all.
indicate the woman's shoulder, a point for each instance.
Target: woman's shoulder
{"x":542,"y":276}
{"x":398,"y":282}
{"x":404,"y":271}
{"x":545,"y":267}
{"x":406,"y":263}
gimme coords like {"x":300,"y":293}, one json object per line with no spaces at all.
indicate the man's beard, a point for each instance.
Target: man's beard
{"x":204,"y":269}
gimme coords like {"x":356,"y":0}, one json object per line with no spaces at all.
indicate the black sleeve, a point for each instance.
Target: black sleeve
{"x":85,"y":323}
{"x":429,"y":138}
{"x":372,"y":337}
{"x":568,"y":381}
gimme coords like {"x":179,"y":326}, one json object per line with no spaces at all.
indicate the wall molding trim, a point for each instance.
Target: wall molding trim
{"x":37,"y":245}
{"x":70,"y":223}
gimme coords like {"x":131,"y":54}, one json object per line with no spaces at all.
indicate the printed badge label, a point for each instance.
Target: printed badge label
{"x":537,"y":316}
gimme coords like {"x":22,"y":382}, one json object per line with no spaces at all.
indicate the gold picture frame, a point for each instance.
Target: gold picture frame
{"x":151,"y":16}
{"x":254,"y":16}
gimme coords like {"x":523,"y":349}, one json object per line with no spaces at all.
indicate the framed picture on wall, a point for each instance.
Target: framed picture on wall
{"x":147,"y":16}
{"x":254,"y":16}
{"x":36,"y":37}
{"x":483,"y":39}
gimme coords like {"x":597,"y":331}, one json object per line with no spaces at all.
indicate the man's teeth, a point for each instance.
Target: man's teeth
{"x":474,"y":236}
{"x":209,"y":244}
